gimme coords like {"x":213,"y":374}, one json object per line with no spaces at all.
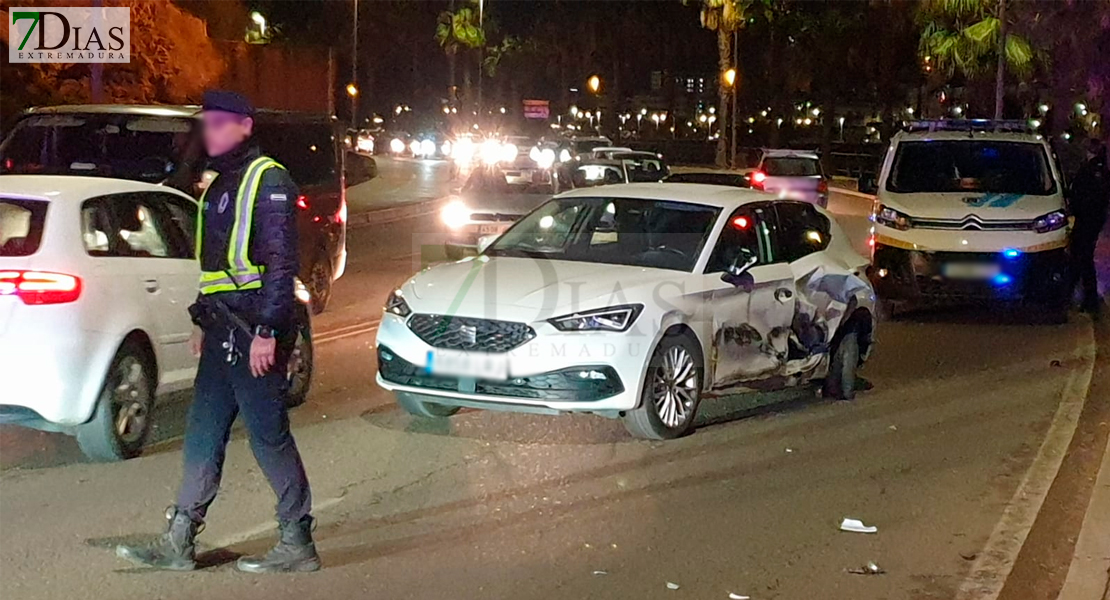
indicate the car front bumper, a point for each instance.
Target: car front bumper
{"x":560,"y":372}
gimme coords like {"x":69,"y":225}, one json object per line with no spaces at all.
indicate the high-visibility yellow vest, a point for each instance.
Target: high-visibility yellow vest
{"x":240,"y":274}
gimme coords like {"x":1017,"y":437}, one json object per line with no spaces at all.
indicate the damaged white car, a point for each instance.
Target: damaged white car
{"x":633,"y":301}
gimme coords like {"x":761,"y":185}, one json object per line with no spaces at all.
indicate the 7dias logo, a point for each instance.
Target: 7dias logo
{"x":69,"y":35}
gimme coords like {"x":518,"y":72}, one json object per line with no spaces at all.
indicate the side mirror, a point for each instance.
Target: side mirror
{"x":737,"y":273}
{"x":867,"y":184}
{"x":360,"y":168}
{"x":485,"y":241}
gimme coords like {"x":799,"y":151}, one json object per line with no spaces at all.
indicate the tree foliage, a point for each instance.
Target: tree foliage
{"x":962,"y":35}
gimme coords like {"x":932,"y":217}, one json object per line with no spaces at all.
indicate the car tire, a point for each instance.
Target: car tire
{"x":454,"y":252}
{"x":301,"y":365}
{"x":840,"y":383}
{"x":420,"y":406}
{"x":319,"y":284}
{"x":671,"y":392}
{"x":124,"y":410}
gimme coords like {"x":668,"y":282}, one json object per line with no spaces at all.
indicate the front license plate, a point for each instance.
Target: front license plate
{"x":970,"y":270}
{"x":492,"y":229}
{"x":478,"y":365}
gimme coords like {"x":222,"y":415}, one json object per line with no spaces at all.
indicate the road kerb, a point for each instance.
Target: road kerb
{"x":392,"y":214}
{"x":992,"y":567}
{"x":1089,"y":574}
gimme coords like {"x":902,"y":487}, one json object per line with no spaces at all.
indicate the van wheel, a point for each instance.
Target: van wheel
{"x":122,"y":419}
{"x":671,"y":393}
{"x":419,"y":406}
{"x":300,"y":367}
{"x":319,"y":284}
{"x":840,"y":383}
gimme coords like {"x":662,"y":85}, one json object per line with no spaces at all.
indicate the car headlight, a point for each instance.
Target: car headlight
{"x":455,"y":214}
{"x":534,"y":154}
{"x":614,"y":318}
{"x":427,"y":147}
{"x":396,"y":146}
{"x":892,"y":218}
{"x":546,"y":158}
{"x":396,"y":304}
{"x":508,"y":152}
{"x":564,"y":155}
{"x":491,"y":152}
{"x":1050,"y":222}
{"x":445,"y":148}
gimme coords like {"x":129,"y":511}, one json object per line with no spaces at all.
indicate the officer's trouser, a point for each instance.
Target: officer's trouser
{"x":223,"y":391}
{"x":1084,"y":240}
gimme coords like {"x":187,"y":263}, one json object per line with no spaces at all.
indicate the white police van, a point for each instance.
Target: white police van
{"x":970,"y":210}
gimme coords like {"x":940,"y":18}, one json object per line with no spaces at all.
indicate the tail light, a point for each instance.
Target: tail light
{"x":823,"y":186}
{"x":302,"y":202}
{"x":341,"y":214}
{"x":758,"y":178}
{"x":40,"y":287}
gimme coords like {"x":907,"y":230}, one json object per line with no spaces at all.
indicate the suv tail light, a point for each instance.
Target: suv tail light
{"x":758,"y":177}
{"x":302,"y":202}
{"x":823,"y":186}
{"x":341,"y":214}
{"x":40,"y":287}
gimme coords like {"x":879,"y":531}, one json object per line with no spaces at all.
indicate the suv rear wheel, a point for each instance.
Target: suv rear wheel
{"x":319,"y":284}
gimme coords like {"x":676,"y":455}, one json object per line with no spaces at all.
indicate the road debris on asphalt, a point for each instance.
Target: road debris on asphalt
{"x":893,"y":428}
{"x":969,"y":555}
{"x":601,"y":572}
{"x":1055,"y":363}
{"x":856,"y":526}
{"x":789,"y":450}
{"x":732,"y":596}
{"x":869,"y":569}
{"x":672,"y":586}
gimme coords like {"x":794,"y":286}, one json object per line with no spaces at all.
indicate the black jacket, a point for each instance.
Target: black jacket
{"x":273,"y":241}
{"x":1090,"y":196}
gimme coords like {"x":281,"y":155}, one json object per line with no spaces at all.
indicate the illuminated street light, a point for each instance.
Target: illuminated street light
{"x":1043,"y":109}
{"x":352,"y":90}
{"x":594,"y":83}
{"x":502,"y":110}
{"x":573,"y":110}
{"x":730,"y":77}
{"x":643,"y":112}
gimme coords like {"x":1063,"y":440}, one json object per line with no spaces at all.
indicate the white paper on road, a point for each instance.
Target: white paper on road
{"x":672,"y":586}
{"x":738,"y":597}
{"x":857,"y":526}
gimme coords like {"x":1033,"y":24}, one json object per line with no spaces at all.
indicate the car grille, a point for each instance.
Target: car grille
{"x":467,"y":333}
{"x":972,"y":223}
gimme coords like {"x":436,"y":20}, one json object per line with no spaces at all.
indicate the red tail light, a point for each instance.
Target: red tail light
{"x":302,"y":202}
{"x":341,"y":214}
{"x":823,"y":186}
{"x":758,"y":178}
{"x":39,"y":287}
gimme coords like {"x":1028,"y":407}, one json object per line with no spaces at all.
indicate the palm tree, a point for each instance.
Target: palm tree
{"x":726,"y":17}
{"x":970,"y":37}
{"x":459,"y":30}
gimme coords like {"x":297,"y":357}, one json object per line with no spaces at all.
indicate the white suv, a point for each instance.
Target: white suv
{"x":970,"y":210}
{"x":96,"y":275}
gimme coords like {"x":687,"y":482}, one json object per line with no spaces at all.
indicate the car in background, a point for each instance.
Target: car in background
{"x":607,"y":151}
{"x":633,"y":302}
{"x":738,"y":179}
{"x":434,"y":146}
{"x":96,"y":275}
{"x":488,"y":204}
{"x":593,"y":172}
{"x":642,"y":167}
{"x":970,"y":210}
{"x":792,"y":174}
{"x":162,"y":144}
{"x":581,"y":146}
{"x":364,"y":142}
{"x":522,"y":162}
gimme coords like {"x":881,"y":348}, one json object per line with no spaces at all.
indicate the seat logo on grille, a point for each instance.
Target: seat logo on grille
{"x":469,"y":334}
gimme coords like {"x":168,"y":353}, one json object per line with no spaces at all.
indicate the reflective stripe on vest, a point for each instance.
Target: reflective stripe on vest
{"x":240,"y":274}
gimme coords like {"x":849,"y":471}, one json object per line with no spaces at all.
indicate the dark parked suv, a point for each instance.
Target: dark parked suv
{"x":162,"y":144}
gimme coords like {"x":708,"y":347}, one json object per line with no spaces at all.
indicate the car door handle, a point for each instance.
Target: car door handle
{"x":151,"y":285}
{"x":783,"y":294}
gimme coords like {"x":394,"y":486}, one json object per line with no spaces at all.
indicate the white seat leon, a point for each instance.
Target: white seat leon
{"x":633,"y":301}
{"x":96,"y":275}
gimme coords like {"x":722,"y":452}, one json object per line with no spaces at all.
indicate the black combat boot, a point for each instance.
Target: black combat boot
{"x":294,"y":552}
{"x":174,"y":551}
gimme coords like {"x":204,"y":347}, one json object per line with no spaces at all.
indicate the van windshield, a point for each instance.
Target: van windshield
{"x":971,"y":166}
{"x":127,"y":146}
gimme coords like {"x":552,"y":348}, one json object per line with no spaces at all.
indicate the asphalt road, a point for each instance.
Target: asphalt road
{"x":946,"y":455}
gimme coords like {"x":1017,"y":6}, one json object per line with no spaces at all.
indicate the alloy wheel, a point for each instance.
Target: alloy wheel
{"x":674,"y":387}
{"x":130,"y":399}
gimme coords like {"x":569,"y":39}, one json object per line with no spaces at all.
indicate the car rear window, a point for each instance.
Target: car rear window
{"x":21,"y":224}
{"x":791,"y":166}
{"x":308,"y":151}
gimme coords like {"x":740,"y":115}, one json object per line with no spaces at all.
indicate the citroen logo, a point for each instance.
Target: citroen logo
{"x":469,"y":334}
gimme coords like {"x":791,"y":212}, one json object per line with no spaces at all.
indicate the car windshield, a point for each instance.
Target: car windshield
{"x":492,"y":180}
{"x":658,"y":234}
{"x":971,"y":166}
{"x":791,"y":166}
{"x":127,"y":146}
{"x":642,"y":167}
{"x":21,"y":225}
{"x":584,"y":146}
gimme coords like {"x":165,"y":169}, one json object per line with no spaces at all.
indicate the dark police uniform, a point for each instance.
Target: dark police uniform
{"x":1090,"y":201}
{"x":247,"y":247}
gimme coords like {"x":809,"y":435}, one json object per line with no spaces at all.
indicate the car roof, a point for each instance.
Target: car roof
{"x":971,"y":136}
{"x":170,"y":110}
{"x":786,"y":152}
{"x":72,"y":188}
{"x":721,"y":196}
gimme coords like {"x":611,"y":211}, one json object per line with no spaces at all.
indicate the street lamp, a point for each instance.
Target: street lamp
{"x":594,"y":83}
{"x":352,"y":90}
{"x":730,"y":77}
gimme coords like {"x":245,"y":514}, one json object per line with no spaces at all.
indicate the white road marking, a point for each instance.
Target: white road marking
{"x":992,"y":567}
{"x":261,"y":529}
{"x":331,"y":336}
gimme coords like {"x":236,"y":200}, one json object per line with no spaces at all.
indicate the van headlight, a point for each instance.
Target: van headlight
{"x":892,"y":218}
{"x":614,"y":318}
{"x":396,"y":304}
{"x":455,"y":214}
{"x":1054,"y":220}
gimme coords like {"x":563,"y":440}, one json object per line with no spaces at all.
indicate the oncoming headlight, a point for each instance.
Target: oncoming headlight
{"x":546,"y":158}
{"x":455,"y":214}
{"x":396,"y":146}
{"x":427,"y":148}
{"x":396,"y":304}
{"x":1050,"y":222}
{"x":614,"y":318}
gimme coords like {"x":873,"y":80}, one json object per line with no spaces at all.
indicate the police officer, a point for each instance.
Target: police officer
{"x":1090,"y":197}
{"x":247,"y":247}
